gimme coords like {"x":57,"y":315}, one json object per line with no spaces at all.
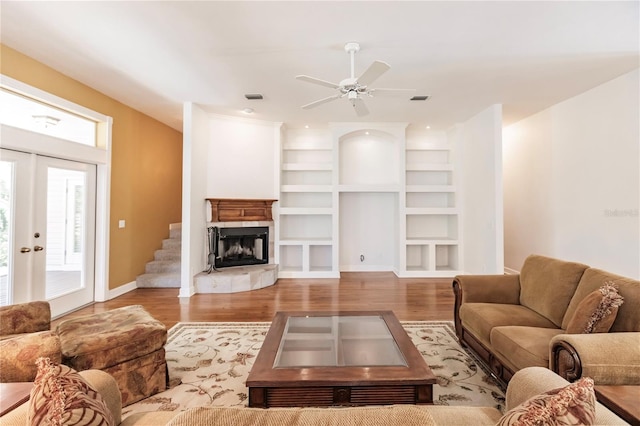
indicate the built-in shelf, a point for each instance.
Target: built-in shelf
{"x":432,"y":215}
{"x":306,"y":188}
{"x":369,"y":188}
{"x":322,"y":171}
{"x":305,"y":210}
{"x":428,"y":167}
{"x":430,"y":188}
{"x":306,"y":166}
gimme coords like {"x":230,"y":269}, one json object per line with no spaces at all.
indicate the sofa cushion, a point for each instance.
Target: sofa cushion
{"x":60,"y":396}
{"x":408,"y":415}
{"x":547,"y":285}
{"x":523,"y":346}
{"x":18,"y":355}
{"x":480,"y":318}
{"x":28,"y":317}
{"x":628,"y":317}
{"x":574,"y":404}
{"x":597,"y":311}
{"x":108,"y":338}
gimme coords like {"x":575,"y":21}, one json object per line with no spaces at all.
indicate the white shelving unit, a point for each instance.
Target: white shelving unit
{"x":306,"y":205}
{"x":432,"y":214}
{"x":322,"y":177}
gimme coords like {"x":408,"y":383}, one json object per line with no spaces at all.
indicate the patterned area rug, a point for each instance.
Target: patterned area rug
{"x":209,"y":363}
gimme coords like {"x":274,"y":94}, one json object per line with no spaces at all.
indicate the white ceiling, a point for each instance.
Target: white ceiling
{"x":155,"y":55}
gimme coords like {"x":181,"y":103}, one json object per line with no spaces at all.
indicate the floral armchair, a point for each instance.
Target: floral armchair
{"x":25,"y":335}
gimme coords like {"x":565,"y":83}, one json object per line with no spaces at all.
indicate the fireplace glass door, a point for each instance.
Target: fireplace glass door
{"x":242,"y":246}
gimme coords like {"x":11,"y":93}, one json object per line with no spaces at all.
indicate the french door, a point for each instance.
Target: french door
{"x":47,"y":230}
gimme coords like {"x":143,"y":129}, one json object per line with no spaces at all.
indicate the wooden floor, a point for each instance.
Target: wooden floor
{"x":409,"y":298}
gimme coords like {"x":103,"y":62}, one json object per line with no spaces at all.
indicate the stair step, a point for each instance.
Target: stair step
{"x":172,"y":244}
{"x":158,"y":266}
{"x":164,"y":254}
{"x":162,"y":280}
{"x":175,"y":233}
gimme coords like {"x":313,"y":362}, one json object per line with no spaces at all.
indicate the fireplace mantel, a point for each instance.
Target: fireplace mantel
{"x":240,"y":210}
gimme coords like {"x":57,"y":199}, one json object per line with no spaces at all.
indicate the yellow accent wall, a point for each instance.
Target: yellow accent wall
{"x":146,"y":167}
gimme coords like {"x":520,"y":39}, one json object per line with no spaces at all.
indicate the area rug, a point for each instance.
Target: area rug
{"x":209,"y":363}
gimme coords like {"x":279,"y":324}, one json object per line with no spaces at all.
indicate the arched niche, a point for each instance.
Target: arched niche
{"x":369,"y":157}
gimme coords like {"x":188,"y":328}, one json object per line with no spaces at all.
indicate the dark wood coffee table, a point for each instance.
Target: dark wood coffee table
{"x":321,"y":359}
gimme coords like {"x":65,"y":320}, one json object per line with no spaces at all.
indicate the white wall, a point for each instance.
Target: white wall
{"x":368,"y":227}
{"x":194,"y":184}
{"x":572,"y":180}
{"x":527,"y":195}
{"x":479,"y":141}
{"x":241,"y":159}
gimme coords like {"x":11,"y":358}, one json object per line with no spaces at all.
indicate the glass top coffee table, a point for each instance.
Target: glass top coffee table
{"x":338,"y":358}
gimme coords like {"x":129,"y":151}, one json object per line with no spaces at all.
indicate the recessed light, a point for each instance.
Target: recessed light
{"x":427,"y":127}
{"x":248,"y":110}
{"x":306,"y":126}
{"x":253,"y":96}
{"x":419,"y":98}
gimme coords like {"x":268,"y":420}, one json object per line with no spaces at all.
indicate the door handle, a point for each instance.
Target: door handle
{"x":25,"y":250}
{"x":38,"y":248}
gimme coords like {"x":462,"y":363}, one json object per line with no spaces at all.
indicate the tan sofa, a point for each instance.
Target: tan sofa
{"x":525,"y":384}
{"x":517,"y":321}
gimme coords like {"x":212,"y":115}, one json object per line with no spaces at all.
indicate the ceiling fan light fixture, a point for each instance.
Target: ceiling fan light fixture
{"x":354,"y":88}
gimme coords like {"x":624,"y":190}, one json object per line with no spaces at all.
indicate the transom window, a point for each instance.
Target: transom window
{"x":27,"y":113}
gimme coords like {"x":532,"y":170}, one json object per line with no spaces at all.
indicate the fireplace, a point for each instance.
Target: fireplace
{"x":239,"y":246}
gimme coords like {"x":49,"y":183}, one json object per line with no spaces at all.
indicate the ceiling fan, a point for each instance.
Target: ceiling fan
{"x":354,"y":88}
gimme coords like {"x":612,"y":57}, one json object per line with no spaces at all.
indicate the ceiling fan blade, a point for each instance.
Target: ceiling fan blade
{"x":320,"y":102}
{"x":391,"y":92}
{"x":375,"y":70}
{"x":317,"y":81}
{"x":360,"y":108}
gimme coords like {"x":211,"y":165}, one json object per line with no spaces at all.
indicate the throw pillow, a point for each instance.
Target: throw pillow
{"x":60,"y":396}
{"x":574,"y":404}
{"x":596,"y":312}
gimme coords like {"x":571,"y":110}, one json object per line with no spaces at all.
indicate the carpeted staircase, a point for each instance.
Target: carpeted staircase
{"x":164,"y":270}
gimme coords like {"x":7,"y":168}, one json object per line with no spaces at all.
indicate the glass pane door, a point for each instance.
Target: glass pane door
{"x":47,"y":231}
{"x":15,"y":259}
{"x":64,"y":233}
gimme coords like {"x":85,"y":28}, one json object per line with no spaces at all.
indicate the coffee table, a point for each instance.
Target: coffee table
{"x":350,"y":358}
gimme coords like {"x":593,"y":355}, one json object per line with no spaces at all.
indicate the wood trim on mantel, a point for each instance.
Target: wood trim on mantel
{"x":240,"y":210}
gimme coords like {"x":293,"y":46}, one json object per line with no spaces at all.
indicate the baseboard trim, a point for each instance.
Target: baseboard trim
{"x":510,"y":271}
{"x":119,"y":291}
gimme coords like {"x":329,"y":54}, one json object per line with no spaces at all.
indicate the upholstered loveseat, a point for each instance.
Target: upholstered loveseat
{"x":527,"y":383}
{"x":521,"y":320}
{"x":126,"y":342}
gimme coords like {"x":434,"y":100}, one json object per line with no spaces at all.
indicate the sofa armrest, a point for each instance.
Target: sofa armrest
{"x":99,"y":380}
{"x":532,"y":381}
{"x":529,"y":382}
{"x":107,"y":387}
{"x":488,"y":288}
{"x":483,"y":289}
{"x":608,"y":358}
